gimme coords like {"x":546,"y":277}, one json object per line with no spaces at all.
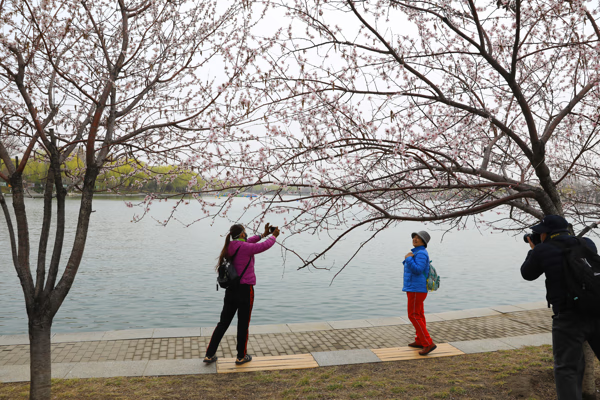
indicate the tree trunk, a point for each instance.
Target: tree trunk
{"x":41,"y":360}
{"x":589,"y":379}
{"x":589,"y":376}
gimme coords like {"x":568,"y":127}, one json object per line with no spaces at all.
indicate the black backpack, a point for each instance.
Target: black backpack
{"x":582,"y":277}
{"x":227,"y":274}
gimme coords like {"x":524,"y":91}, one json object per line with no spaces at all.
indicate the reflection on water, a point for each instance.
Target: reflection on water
{"x":141,"y":275}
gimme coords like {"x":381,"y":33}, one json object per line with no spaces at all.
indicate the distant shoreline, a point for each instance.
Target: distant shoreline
{"x":41,"y":196}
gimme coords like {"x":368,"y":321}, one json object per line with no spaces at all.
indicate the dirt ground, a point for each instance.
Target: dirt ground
{"x":515,"y":374}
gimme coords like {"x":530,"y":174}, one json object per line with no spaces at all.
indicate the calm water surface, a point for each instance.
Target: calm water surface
{"x":143,"y":275}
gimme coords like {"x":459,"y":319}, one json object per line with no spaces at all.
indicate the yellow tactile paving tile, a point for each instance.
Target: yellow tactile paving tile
{"x":409,"y":353}
{"x":297,"y":361}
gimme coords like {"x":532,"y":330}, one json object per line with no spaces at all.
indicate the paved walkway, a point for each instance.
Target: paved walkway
{"x":179,"y":351}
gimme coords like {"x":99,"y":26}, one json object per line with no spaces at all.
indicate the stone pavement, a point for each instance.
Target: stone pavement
{"x":179,"y":351}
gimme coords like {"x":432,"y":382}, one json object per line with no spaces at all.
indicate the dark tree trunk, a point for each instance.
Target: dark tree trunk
{"x":44,"y":297}
{"x":589,"y":380}
{"x":41,"y":360}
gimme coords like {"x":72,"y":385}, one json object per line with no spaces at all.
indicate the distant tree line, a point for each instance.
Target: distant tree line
{"x":121,"y":177}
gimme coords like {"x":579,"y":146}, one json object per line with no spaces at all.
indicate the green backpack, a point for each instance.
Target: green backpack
{"x":433,"y":279}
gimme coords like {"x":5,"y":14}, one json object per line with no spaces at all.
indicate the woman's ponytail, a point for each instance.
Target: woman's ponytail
{"x":234,"y":232}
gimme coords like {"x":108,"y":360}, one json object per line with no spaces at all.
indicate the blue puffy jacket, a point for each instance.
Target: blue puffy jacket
{"x":416,"y":269}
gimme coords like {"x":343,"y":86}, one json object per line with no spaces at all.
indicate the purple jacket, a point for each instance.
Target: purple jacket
{"x":247,"y":251}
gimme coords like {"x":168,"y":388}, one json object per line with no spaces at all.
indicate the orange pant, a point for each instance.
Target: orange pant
{"x":416,"y":315}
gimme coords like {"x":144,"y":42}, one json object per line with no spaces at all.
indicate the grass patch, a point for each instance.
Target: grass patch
{"x":304,"y":381}
{"x":263,"y":378}
{"x":489,"y":376}
{"x":535,"y":364}
{"x":457,"y":390}
{"x":416,"y":387}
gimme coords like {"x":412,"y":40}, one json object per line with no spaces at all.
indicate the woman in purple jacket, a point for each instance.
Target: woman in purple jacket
{"x":239,"y":298}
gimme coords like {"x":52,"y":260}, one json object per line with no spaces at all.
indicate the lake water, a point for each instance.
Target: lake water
{"x":143,"y":275}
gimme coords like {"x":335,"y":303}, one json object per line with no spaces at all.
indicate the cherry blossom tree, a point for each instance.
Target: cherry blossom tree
{"x":481,"y":107}
{"x":106,"y":82}
{"x":477,"y":108}
{"x":390,"y":111}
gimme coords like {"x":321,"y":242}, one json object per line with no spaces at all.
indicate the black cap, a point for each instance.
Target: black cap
{"x":551,"y":224}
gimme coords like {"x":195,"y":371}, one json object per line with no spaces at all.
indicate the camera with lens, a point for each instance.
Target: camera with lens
{"x":272,"y":229}
{"x":535,"y":237}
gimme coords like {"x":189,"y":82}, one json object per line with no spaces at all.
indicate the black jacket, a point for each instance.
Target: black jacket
{"x":548,"y":259}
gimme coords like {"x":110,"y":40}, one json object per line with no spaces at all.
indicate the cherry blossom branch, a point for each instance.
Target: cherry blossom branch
{"x":397,"y":57}
{"x":7,"y":161}
{"x":516,"y":43}
{"x":565,"y":111}
{"x":574,"y":162}
{"x":363,"y":244}
{"x":588,"y":228}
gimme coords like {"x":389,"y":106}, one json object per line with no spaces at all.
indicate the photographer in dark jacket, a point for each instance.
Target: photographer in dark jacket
{"x":569,"y":328}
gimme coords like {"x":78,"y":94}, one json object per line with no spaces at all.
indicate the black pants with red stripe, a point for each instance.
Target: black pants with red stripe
{"x":240,"y":299}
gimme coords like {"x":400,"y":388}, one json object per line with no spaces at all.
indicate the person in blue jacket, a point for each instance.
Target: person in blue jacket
{"x":416,"y":269}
